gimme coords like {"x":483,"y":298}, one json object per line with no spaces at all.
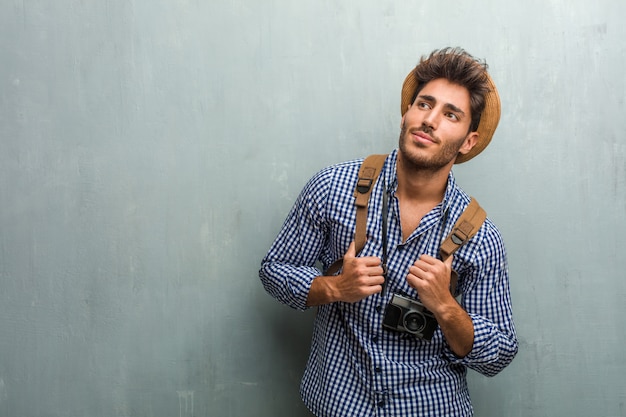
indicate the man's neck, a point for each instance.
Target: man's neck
{"x":420,"y":186}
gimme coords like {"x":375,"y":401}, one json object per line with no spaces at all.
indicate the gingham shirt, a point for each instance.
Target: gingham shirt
{"x":356,"y":368}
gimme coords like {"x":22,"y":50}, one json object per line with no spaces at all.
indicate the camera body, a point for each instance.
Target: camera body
{"x":409,"y":316}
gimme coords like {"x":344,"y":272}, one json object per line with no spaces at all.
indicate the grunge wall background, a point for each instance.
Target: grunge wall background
{"x":150,"y":150}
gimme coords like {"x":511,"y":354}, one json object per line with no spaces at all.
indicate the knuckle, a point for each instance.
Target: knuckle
{"x":361,"y":269}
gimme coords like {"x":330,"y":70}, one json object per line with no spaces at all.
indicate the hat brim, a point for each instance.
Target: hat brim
{"x":488,"y":120}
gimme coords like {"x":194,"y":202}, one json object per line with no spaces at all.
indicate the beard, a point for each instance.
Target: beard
{"x":418,"y":161}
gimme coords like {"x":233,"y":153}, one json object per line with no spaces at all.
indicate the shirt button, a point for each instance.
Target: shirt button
{"x":375,"y":339}
{"x":378,"y":369}
{"x":381,"y":404}
{"x":379,"y":308}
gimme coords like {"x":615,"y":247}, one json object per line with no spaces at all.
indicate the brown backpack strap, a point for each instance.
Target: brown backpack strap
{"x":464,"y":229}
{"x":368,"y":174}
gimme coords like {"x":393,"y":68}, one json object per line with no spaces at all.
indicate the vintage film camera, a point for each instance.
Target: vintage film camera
{"x":409,"y":316}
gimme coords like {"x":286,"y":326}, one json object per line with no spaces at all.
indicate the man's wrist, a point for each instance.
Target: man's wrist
{"x":322,"y":291}
{"x":448,"y":310}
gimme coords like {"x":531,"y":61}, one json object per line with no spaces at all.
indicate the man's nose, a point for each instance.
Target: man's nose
{"x":430,"y":120}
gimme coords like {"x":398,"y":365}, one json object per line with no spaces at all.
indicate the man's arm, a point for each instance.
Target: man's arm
{"x":480,"y":332}
{"x":288,"y":271}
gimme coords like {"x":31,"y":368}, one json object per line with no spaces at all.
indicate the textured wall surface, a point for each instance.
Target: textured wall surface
{"x":150,"y":150}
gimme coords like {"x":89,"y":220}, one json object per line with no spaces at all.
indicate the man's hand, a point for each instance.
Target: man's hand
{"x":359,"y":278}
{"x":431,"y":278}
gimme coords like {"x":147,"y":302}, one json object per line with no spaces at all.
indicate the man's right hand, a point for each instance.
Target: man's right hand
{"x":359,"y":278}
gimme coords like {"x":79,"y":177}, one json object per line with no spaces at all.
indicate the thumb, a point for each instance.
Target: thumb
{"x":351,"y":252}
{"x":448,"y":262}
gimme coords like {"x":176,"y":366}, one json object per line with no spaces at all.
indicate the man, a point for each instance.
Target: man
{"x":357,"y":367}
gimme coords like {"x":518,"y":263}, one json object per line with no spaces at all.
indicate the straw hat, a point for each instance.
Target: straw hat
{"x":488,"y":120}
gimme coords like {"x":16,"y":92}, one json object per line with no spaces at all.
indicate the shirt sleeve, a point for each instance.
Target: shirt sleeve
{"x":289,"y":267}
{"x":487,"y":300}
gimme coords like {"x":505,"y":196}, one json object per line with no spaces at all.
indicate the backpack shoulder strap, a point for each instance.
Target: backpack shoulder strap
{"x":463,"y":230}
{"x":368,"y":174}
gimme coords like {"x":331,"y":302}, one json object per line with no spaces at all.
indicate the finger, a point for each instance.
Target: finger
{"x":371,"y":261}
{"x":377,"y":272}
{"x":351,"y":252}
{"x":370,"y":291}
{"x":448,"y":261}
{"x":363,"y":269}
{"x":428,"y":259}
{"x":419,"y":268}
{"x":374,"y":280}
{"x":414,"y":281}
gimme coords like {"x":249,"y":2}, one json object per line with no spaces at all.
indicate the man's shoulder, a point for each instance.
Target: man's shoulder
{"x":335,"y":183}
{"x":488,"y":230}
{"x":338,"y":173}
{"x":337,"y":179}
{"x":351,"y":165}
{"x":347,"y":170}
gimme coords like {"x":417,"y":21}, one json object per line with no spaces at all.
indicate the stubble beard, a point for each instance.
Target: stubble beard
{"x":416,"y":161}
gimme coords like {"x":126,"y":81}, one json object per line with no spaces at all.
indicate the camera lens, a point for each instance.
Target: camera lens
{"x":414,"y":322}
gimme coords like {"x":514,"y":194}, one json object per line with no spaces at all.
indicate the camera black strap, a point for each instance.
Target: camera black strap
{"x":384,"y":236}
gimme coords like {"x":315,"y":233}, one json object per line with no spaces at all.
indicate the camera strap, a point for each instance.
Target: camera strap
{"x":384,"y":236}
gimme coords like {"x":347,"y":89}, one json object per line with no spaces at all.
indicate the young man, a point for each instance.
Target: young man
{"x":357,"y":366}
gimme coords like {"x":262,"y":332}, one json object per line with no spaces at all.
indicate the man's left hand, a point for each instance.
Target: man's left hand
{"x":431,"y":278}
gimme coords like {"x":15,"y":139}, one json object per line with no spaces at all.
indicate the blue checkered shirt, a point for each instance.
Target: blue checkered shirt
{"x":355,"y":367}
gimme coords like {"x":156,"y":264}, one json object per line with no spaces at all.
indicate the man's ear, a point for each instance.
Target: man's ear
{"x":470,"y":141}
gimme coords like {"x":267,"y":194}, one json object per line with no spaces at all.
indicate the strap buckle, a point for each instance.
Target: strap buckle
{"x":458,"y":237}
{"x":363,"y":185}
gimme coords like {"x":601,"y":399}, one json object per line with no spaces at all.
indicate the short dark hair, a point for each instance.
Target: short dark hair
{"x":458,"y":67}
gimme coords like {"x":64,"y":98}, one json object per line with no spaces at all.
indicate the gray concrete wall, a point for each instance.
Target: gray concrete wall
{"x":149,"y":151}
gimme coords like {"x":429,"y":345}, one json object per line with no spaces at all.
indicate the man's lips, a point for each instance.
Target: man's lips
{"x":422,"y":137}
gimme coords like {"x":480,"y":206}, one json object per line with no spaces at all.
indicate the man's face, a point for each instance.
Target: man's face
{"x":436,"y":127}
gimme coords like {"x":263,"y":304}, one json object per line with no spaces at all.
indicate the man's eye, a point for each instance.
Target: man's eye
{"x":452,"y":116}
{"x":423,"y":105}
